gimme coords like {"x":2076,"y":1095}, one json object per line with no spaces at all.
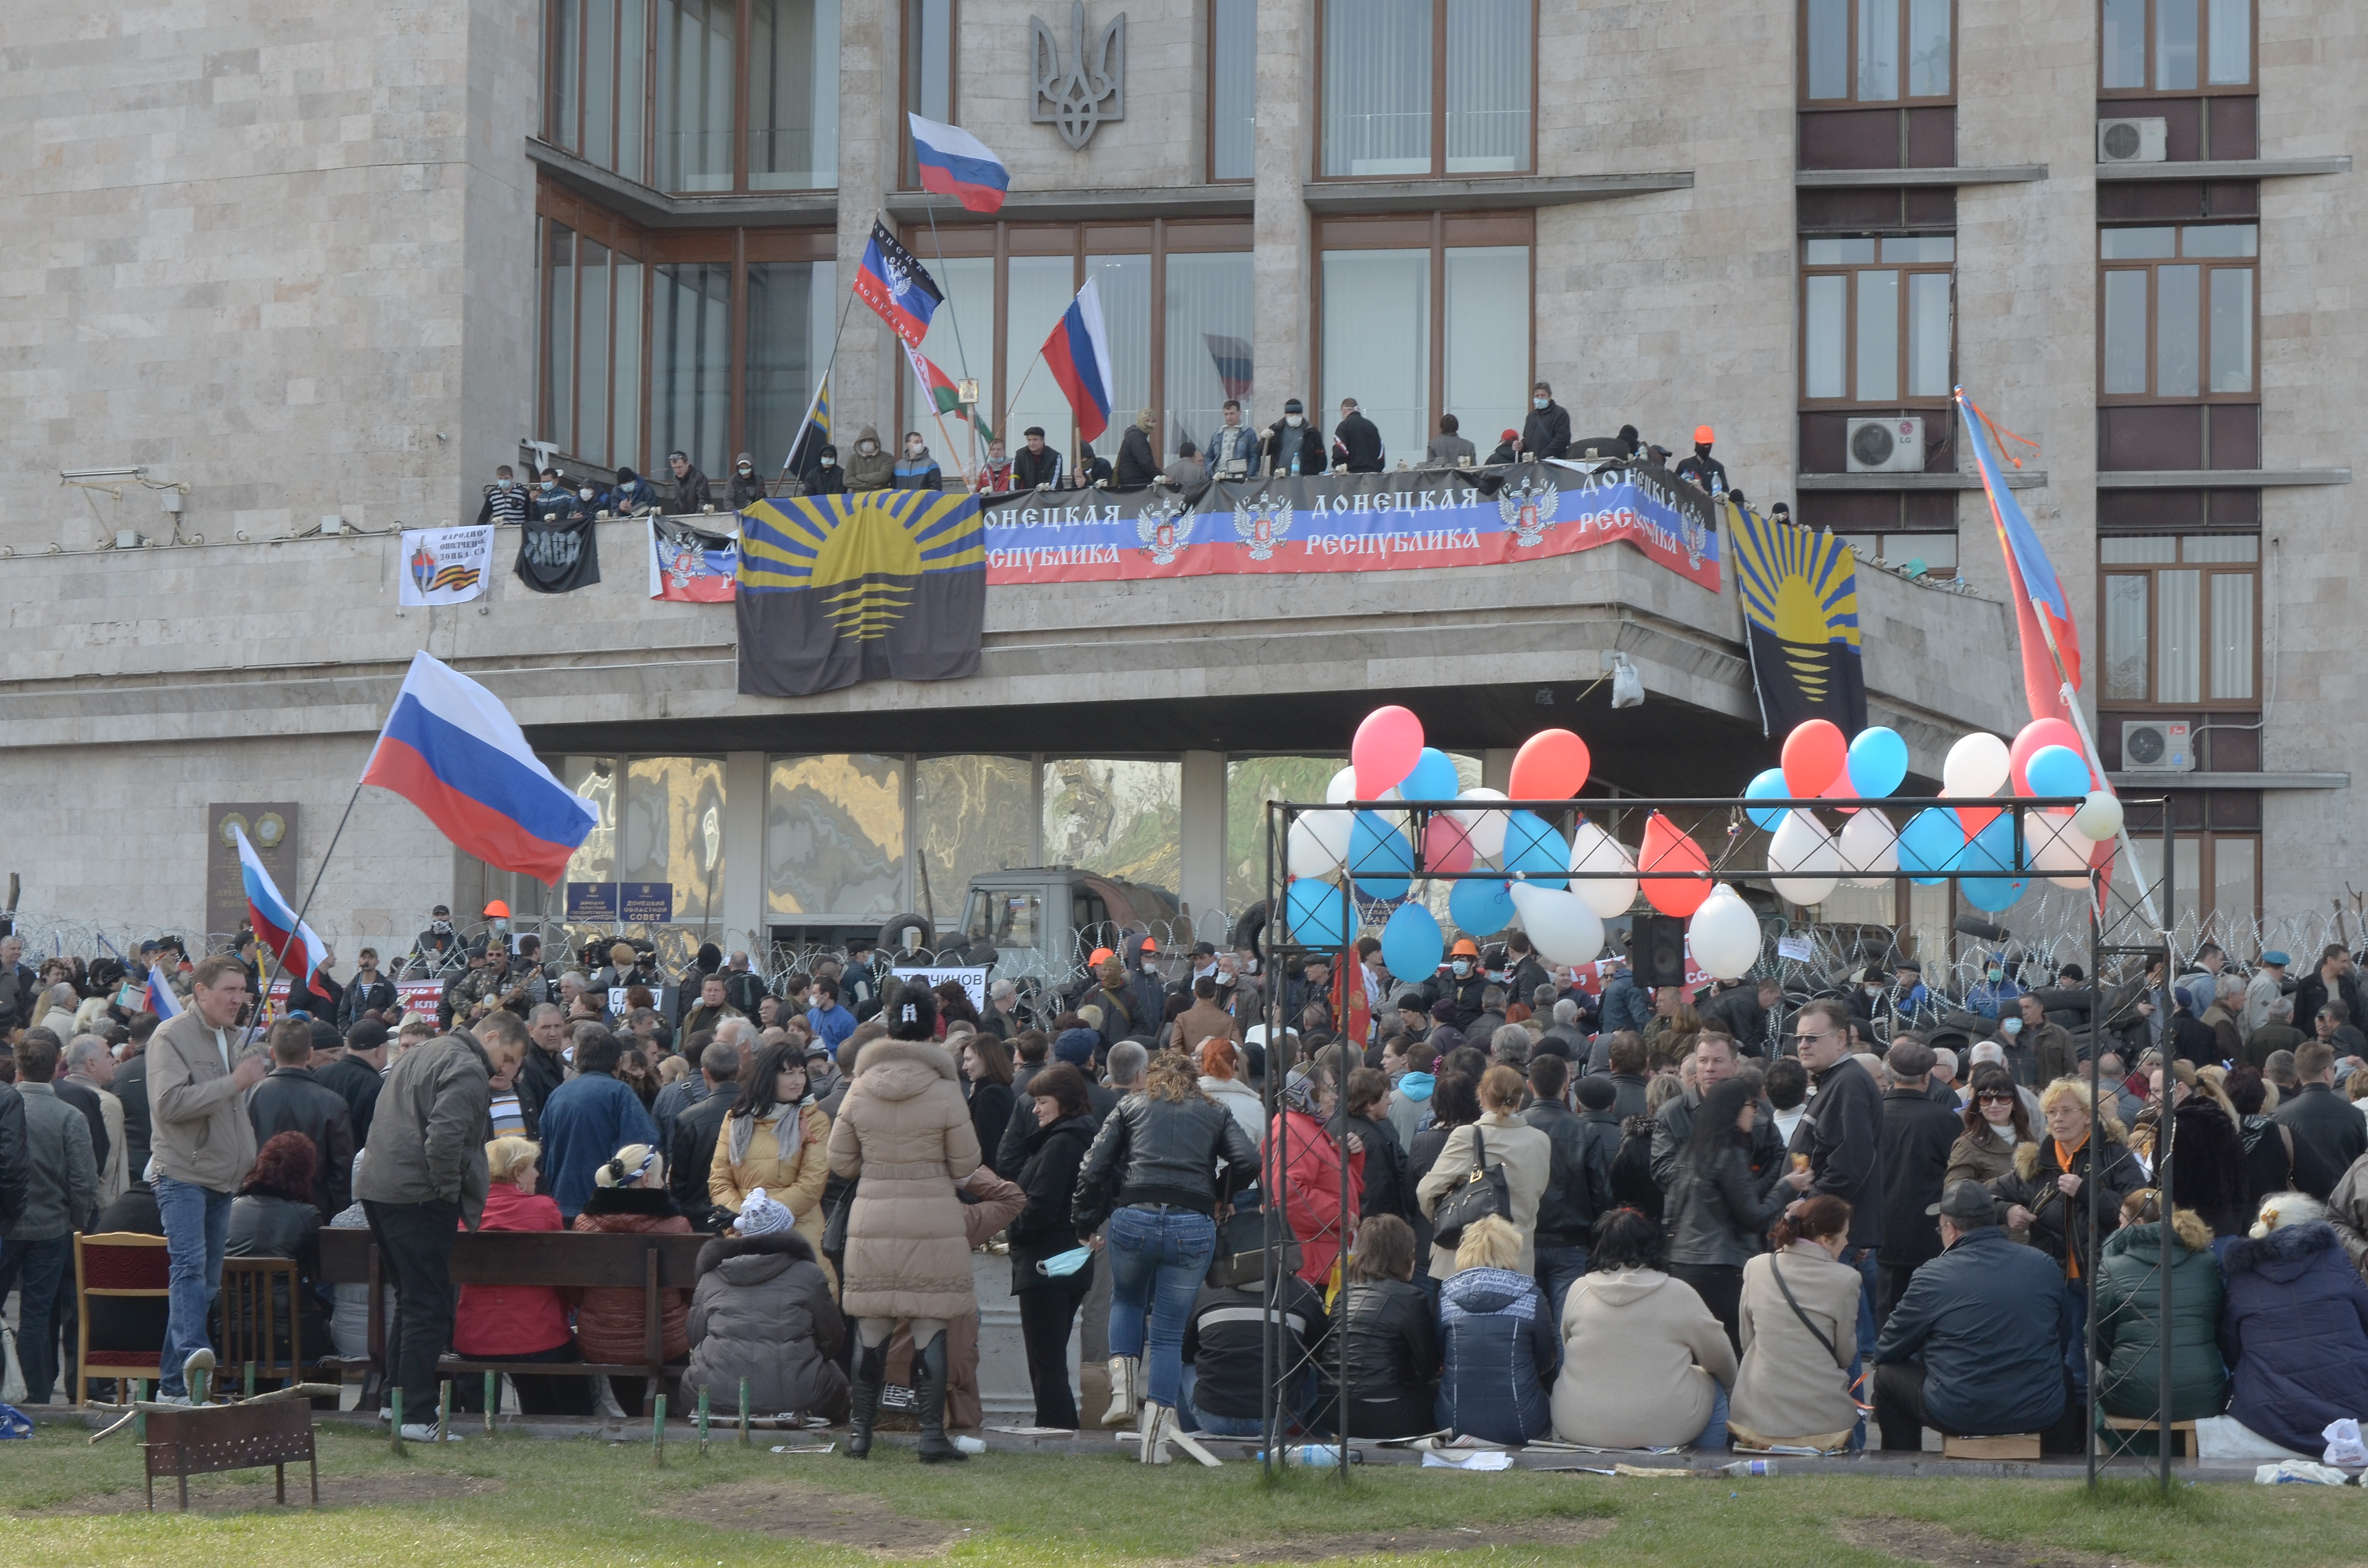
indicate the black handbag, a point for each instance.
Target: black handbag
{"x":1239,"y":1260}
{"x":834,"y":1230}
{"x":1485,"y":1192}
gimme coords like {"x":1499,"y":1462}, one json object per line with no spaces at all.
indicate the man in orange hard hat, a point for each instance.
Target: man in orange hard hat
{"x":1701,"y":470}
{"x":1465,"y":982}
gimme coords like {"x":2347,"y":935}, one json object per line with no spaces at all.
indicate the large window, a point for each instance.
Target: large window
{"x":698,"y":96}
{"x":1420,"y":87}
{"x":1233,"y":88}
{"x":835,"y":837}
{"x":661,"y":820}
{"x":1121,"y":819}
{"x":930,"y":52}
{"x":1876,"y":319}
{"x":2176,"y":46}
{"x":1877,"y":51}
{"x":2179,"y":312}
{"x":2182,"y":618}
{"x":1424,"y":316}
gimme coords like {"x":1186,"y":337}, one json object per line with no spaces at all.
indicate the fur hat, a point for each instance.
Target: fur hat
{"x":912,"y":1014}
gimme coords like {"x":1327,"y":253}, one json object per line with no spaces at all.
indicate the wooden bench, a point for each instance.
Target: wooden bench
{"x":566,"y":1260}
{"x":2005,"y":1445}
{"x":2147,"y":1424}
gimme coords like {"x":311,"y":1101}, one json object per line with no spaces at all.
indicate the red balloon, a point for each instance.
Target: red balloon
{"x":1972,"y":819}
{"x":1388,"y":744}
{"x":1551,"y":766}
{"x":2032,"y":737}
{"x":1814,"y":753}
{"x":1446,"y":844}
{"x":1841,"y":789}
{"x":1666,"y":849}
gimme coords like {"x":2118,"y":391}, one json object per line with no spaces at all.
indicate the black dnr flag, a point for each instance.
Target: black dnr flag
{"x":1799,"y":588}
{"x":884,"y":585}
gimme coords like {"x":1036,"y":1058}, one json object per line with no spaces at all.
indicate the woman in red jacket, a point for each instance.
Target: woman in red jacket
{"x":519,"y":1323}
{"x":1310,"y":1157}
{"x":628,"y":1196}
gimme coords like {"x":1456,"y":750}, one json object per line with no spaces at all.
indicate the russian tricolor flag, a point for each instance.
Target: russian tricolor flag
{"x":161,"y":1000}
{"x":1079,"y":356}
{"x":954,"y":163}
{"x":299,"y":949}
{"x":451,"y":749}
{"x":2042,"y":612}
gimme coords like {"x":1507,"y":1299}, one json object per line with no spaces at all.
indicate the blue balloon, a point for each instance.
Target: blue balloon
{"x":1412,"y":943}
{"x":1878,"y":763}
{"x":1992,"y":850}
{"x":1378,"y":857}
{"x":1929,"y":843}
{"x":2056,"y":770}
{"x":1433,"y":777}
{"x":1769,"y":786}
{"x":1316,"y":913}
{"x":1480,"y":907}
{"x":1535,"y":849}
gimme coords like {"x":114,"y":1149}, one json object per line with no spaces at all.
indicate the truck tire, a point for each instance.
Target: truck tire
{"x":1248,"y":923}
{"x":892,"y":935}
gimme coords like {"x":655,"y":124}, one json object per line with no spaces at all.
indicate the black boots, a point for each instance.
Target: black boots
{"x":863,"y":1397}
{"x":929,"y":1383}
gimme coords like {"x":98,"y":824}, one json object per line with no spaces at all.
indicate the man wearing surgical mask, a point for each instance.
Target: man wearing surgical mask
{"x":1994,"y":992}
{"x":1465,"y":983}
{"x":1546,"y":432}
{"x":748,"y":488}
{"x":505,"y":499}
{"x":1293,"y":445}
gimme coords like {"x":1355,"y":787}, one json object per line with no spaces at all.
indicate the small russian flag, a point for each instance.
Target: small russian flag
{"x":954,"y":163}
{"x":299,"y":950}
{"x":1079,"y":356}
{"x":161,"y":1000}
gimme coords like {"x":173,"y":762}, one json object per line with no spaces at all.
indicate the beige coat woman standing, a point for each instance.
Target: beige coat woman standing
{"x":905,"y":1133}
{"x":1505,"y":1140}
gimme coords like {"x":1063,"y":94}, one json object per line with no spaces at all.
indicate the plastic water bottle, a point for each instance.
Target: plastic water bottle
{"x":1313,"y":1456}
{"x":1748,"y":1467}
{"x":1294,"y":460}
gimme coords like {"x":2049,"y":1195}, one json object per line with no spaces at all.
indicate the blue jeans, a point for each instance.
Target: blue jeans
{"x":1870,"y":1283}
{"x":1296,"y":1402}
{"x":1714,"y":1436}
{"x":1158,"y":1257}
{"x":34,"y":1269}
{"x":1558,"y":1268}
{"x":2076,"y":1354}
{"x":196,"y":1228}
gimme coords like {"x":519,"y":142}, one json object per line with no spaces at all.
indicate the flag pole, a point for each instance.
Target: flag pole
{"x":962,"y":355}
{"x":2088,"y":742}
{"x":815,"y":402}
{"x":278,"y":959}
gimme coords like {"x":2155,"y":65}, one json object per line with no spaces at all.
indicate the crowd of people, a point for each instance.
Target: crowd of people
{"x":1492,"y":1202}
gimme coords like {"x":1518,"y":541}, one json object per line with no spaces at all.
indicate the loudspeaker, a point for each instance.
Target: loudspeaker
{"x":1657,"y":950}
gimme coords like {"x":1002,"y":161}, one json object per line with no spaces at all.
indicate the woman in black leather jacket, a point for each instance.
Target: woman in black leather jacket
{"x":1717,"y":1209}
{"x":272,"y":1216}
{"x":1392,"y":1338}
{"x":1152,"y":1176}
{"x":1060,"y":1130}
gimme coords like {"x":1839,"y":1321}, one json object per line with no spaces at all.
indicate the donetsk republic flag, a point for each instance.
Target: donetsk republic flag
{"x":884,"y":584}
{"x":1799,"y":588}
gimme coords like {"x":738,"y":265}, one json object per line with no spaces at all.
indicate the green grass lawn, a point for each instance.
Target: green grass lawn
{"x":515,"y":1502}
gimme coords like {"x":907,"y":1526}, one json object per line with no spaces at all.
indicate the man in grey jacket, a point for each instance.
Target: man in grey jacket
{"x":60,"y":1198}
{"x":201,"y":1143}
{"x":425,"y":1175}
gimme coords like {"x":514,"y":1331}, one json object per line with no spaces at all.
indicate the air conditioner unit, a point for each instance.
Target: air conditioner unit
{"x":2156,"y":745}
{"x":2131,"y":141}
{"x":1886,"y":446}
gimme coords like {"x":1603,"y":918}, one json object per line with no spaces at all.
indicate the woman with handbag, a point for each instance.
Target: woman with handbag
{"x":1305,"y":1158}
{"x":1799,"y":1318}
{"x":1498,"y":1165}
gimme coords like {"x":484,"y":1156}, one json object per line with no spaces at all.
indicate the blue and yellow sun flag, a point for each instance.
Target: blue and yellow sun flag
{"x":884,"y":585}
{"x":1799,"y":588}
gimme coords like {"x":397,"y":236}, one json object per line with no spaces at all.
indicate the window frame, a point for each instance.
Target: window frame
{"x":1438,"y":106}
{"x":1851,"y":100}
{"x":1851,"y":269}
{"x":2205,"y":571}
{"x":1209,"y":115}
{"x":1440,"y":232}
{"x":2207,"y":266}
{"x":2204,"y":87}
{"x":908,"y":167}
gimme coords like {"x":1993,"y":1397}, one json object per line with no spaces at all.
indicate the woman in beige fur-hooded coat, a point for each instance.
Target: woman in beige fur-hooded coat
{"x":905,"y":1131}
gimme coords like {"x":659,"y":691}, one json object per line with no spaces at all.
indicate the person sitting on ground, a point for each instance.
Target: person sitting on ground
{"x":1222,"y":1356}
{"x":1393,"y":1342}
{"x":2046,"y":1198}
{"x":1650,"y":1365}
{"x":1497,"y":1348}
{"x":2293,"y":1328}
{"x":272,"y":1216}
{"x":519,"y":1322}
{"x":1799,"y":1320}
{"x":629,"y":1197}
{"x":762,"y":1314}
{"x":2129,"y":1315}
{"x":1975,"y":1346}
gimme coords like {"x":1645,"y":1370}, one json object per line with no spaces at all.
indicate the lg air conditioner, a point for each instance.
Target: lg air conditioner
{"x":1886,"y":446}
{"x":2131,"y":141}
{"x":2156,"y":745}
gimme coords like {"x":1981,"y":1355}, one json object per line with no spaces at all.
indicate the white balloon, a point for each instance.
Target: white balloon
{"x":2098,"y":817}
{"x":1592,"y":849}
{"x":1976,"y":764}
{"x":1318,"y":843}
{"x":1564,"y":928}
{"x":1725,"y":934}
{"x":1806,"y":863}
{"x":1487,"y":828}
{"x":1342,"y":788}
{"x":1869,"y":842}
{"x":2056,"y":844}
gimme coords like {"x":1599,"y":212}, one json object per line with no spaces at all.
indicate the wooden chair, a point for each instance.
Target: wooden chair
{"x":2147,"y":1424}
{"x":122,"y":1290}
{"x":258,"y":1294}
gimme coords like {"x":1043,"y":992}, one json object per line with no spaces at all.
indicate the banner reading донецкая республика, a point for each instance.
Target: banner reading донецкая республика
{"x":1363,"y":522}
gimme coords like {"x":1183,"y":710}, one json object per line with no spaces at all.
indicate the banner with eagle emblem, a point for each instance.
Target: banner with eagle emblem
{"x":884,"y":585}
{"x":445,"y":566}
{"x":691,"y":568}
{"x":1799,"y":588}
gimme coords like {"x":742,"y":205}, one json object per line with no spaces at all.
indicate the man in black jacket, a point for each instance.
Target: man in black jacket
{"x":2328,"y":1133}
{"x":1293,"y":445}
{"x":1221,"y":1361}
{"x":1138,"y":465}
{"x":2333,"y":978}
{"x":368,"y":991}
{"x":1702,"y":470}
{"x":747,"y":485}
{"x":356,"y":1076}
{"x":1842,"y":1137}
{"x":290,"y":1099}
{"x":544,"y":1068}
{"x":695,"y":1133}
{"x":1917,"y":1133}
{"x":690,"y":487}
{"x":16,"y":1159}
{"x":1578,"y":1186}
{"x":130,"y":1087}
{"x":1546,"y":432}
{"x":1360,"y":440}
{"x":1035,"y":466}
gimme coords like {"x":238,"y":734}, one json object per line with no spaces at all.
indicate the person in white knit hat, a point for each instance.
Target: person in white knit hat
{"x":763,"y":1311}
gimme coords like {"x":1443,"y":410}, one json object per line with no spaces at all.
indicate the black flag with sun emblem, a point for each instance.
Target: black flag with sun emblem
{"x":1799,"y":588}
{"x":884,"y":585}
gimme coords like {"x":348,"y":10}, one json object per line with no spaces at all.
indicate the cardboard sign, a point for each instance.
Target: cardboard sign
{"x":420,"y":996}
